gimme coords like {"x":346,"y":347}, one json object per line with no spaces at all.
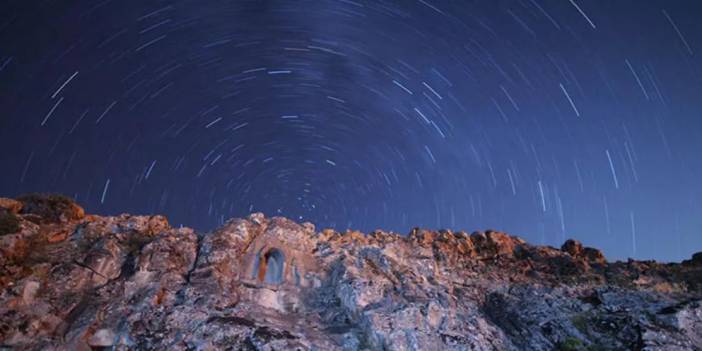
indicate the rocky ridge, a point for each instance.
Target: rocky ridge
{"x":74,"y":281}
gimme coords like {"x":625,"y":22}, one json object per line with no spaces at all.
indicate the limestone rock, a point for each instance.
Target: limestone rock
{"x":576,"y":249}
{"x":573,"y":247}
{"x":102,"y":338}
{"x":71,"y":281}
{"x":9,"y":222}
{"x":10,"y":205}
{"x":50,"y":207}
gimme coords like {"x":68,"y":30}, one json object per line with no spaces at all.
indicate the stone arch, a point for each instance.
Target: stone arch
{"x":269,"y":266}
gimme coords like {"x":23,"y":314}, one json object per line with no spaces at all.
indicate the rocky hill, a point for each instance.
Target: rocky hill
{"x":74,"y":281}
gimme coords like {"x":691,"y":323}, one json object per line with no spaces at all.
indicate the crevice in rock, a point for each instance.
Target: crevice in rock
{"x":83,"y":265}
{"x":180,"y":295}
{"x":231,"y":320}
{"x":198,"y":248}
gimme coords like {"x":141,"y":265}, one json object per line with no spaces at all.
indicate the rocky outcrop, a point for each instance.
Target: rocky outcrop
{"x":74,"y":281}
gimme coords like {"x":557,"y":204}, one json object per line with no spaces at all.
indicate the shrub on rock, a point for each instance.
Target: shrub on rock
{"x":51,"y":207}
{"x":9,"y":223}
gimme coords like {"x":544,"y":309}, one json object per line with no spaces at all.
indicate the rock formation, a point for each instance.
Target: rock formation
{"x":74,"y":281}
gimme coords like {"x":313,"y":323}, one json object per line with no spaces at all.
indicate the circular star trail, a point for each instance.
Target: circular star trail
{"x":546,"y":119}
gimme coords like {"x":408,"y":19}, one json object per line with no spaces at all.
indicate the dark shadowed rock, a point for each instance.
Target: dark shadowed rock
{"x":51,"y":207}
{"x":70,"y":281}
{"x":594,"y":255}
{"x":9,"y":222}
{"x":576,"y":249}
{"x":572,"y":247}
{"x":696,"y":260}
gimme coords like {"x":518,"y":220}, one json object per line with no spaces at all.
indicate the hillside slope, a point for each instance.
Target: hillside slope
{"x":74,"y":281}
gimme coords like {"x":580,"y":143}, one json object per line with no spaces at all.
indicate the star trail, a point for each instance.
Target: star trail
{"x":547,"y":119}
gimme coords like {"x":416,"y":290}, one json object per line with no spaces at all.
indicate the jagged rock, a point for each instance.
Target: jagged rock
{"x":573,"y":247}
{"x":576,"y":249}
{"x":594,"y":255}
{"x":696,"y":260}
{"x":10,"y":205}
{"x":50,"y":207}
{"x":9,"y":222}
{"x":71,"y":281}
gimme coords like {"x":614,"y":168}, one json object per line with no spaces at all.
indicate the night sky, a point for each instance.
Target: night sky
{"x":548,"y":119}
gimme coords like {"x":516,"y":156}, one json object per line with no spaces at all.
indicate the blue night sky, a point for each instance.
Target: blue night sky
{"x":547,"y":119}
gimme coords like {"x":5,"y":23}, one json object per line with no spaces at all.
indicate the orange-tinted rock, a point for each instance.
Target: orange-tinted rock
{"x":594,"y":255}
{"x":133,"y":282}
{"x":572,"y":247}
{"x":11,"y":205}
{"x":576,"y":250}
{"x":50,"y":207}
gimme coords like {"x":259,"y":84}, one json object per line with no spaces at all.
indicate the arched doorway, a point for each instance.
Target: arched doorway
{"x":269,"y":267}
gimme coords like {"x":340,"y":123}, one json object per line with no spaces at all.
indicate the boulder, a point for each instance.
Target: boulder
{"x":576,"y":250}
{"x":51,"y":207}
{"x":10,"y":205}
{"x":572,"y":247}
{"x":695,"y":260}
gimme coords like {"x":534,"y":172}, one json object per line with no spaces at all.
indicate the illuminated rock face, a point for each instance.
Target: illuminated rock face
{"x":279,"y":256}
{"x":75,"y":281}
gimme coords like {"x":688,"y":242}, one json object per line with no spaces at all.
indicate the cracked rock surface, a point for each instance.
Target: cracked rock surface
{"x":74,"y":281}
